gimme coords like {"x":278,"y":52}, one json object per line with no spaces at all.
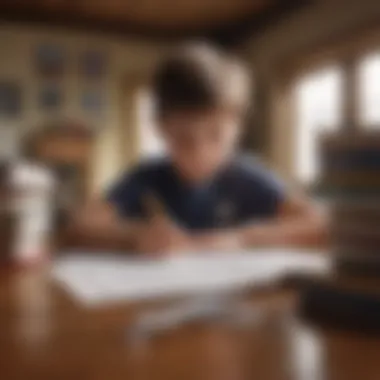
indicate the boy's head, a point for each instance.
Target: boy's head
{"x":201,"y":96}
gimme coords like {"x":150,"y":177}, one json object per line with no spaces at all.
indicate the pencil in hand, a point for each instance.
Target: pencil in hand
{"x":153,"y":207}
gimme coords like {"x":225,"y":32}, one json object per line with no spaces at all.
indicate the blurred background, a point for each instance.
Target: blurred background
{"x":74,"y":91}
{"x":74,"y":75}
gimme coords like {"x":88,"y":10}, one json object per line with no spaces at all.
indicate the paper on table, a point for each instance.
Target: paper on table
{"x":103,"y":278}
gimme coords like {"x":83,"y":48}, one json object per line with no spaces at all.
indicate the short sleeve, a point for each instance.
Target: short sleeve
{"x":263,"y":191}
{"x":272,"y":192}
{"x":125,"y":195}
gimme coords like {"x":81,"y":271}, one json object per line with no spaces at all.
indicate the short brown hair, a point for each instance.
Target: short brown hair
{"x":200,"y":77}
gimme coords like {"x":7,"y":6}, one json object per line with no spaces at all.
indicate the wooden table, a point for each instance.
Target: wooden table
{"x":44,"y":334}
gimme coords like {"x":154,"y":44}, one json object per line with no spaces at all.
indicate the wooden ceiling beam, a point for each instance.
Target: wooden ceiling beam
{"x":229,"y":34}
{"x":68,"y":18}
{"x":238,"y":31}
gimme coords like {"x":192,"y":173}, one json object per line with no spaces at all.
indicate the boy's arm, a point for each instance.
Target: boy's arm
{"x":113,"y":218}
{"x":299,"y":223}
{"x":98,"y":222}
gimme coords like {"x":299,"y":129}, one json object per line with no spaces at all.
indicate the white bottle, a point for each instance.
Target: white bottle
{"x":32,"y":203}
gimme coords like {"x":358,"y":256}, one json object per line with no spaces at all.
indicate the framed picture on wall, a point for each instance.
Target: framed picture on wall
{"x":50,"y":96}
{"x":10,"y":100}
{"x":50,"y":61}
{"x":93,"y":65}
{"x":93,"y":102}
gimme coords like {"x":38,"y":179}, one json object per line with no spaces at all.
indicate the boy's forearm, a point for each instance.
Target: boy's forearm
{"x":107,"y":235}
{"x":295,"y":233}
{"x":124,"y":231}
{"x":301,"y":233}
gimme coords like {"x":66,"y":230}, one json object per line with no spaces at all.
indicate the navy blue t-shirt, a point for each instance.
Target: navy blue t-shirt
{"x":243,"y":191}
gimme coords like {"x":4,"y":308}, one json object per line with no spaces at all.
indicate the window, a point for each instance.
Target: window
{"x":369,"y":91}
{"x":150,"y":144}
{"x":318,"y":109}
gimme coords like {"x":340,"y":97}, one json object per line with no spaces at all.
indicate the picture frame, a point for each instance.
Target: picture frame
{"x":93,"y":102}
{"x":50,"y":97}
{"x":11,"y":99}
{"x":50,"y":61}
{"x":93,"y":65}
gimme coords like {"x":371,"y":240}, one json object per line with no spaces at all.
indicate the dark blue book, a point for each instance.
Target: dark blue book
{"x":328,"y":305}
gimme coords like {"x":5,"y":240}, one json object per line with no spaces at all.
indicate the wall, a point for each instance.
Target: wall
{"x":302,"y":31}
{"x":127,"y":59}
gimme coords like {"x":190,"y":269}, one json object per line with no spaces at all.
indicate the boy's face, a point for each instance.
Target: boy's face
{"x":199,"y":143}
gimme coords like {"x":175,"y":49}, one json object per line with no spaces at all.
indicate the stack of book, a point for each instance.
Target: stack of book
{"x":350,"y":180}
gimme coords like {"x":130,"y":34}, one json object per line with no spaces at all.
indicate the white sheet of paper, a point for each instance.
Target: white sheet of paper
{"x":96,"y":279}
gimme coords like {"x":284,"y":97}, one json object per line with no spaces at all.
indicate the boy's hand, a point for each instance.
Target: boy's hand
{"x":161,"y":236}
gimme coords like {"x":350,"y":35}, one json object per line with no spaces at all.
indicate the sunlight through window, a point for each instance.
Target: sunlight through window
{"x":318,"y":100}
{"x":150,"y":144}
{"x":369,"y":91}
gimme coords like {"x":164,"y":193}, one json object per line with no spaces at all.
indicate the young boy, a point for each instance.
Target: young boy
{"x":202,"y":195}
